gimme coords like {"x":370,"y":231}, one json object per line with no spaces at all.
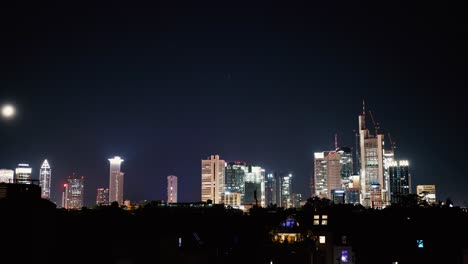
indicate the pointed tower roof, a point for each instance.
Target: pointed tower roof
{"x":45,"y":165}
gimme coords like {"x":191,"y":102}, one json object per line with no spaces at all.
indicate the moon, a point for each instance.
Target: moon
{"x":8,"y":111}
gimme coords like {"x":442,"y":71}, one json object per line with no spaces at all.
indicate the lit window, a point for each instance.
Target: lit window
{"x":324,"y":216}
{"x":344,"y":256}
{"x":322,"y":239}
{"x":316,"y":222}
{"x":324,"y":222}
{"x":317,"y":217}
{"x":420,"y":243}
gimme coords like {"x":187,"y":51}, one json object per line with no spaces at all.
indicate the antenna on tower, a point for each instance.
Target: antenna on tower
{"x":336,"y":141}
{"x":363,"y":107}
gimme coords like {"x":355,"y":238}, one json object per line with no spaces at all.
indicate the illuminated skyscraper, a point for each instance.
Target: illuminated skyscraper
{"x":388,"y":158}
{"x":286,"y":191}
{"x":371,"y":154}
{"x":64,"y":195}
{"x":7,"y":175}
{"x":320,"y":174}
{"x":346,"y":163}
{"x":172,"y":189}
{"x":400,"y":182}
{"x":327,"y":173}
{"x":74,"y":192}
{"x":102,"y":197}
{"x":235,"y":176}
{"x":271,"y":188}
{"x":23,"y":174}
{"x":212,"y":179}
{"x":44,"y":179}
{"x":116,"y":181}
{"x":254,"y":183}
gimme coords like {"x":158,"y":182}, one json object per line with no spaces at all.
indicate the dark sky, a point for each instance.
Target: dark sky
{"x":167,"y":84}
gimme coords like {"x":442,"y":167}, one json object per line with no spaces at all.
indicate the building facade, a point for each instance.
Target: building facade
{"x":399,"y":180}
{"x":235,"y":178}
{"x":116,"y":181}
{"x":23,"y":173}
{"x":172,"y":189}
{"x":212,"y":179}
{"x":74,"y":192}
{"x":7,"y":176}
{"x":102,"y":197}
{"x":286,"y":191}
{"x":320,"y":174}
{"x":45,"y":174}
{"x":271,"y":189}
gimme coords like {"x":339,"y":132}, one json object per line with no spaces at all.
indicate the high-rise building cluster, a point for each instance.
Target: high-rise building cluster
{"x":369,"y":175}
{"x":379,"y":179}
{"x":23,"y":175}
{"x":242,"y":185}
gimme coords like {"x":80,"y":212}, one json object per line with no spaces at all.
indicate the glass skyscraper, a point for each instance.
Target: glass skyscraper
{"x":399,"y":180}
{"x":44,"y":179}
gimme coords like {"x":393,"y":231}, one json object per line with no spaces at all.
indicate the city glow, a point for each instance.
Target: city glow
{"x":8,"y":111}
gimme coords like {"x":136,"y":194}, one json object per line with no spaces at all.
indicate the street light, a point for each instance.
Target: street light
{"x":8,"y":111}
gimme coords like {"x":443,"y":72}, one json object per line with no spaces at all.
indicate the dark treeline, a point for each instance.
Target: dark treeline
{"x":158,"y":233}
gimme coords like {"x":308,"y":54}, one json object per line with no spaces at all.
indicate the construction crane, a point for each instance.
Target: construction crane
{"x":392,"y":143}
{"x":376,"y":124}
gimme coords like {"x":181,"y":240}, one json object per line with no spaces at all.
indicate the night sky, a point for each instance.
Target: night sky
{"x":168,"y":84}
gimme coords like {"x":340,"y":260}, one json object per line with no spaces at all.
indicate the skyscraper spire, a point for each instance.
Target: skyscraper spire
{"x":336,"y":141}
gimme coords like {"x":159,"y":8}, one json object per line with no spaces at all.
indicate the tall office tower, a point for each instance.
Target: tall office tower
{"x":212,"y":179}
{"x":23,"y":173}
{"x":254,"y":182}
{"x":371,"y":155}
{"x":235,"y":175}
{"x":286,"y":191}
{"x":74,"y":194}
{"x":320,"y":174}
{"x":271,"y":189}
{"x":333,"y":178}
{"x":327,"y":173}
{"x":400,"y":181}
{"x":6,"y":175}
{"x":427,"y":193}
{"x":44,"y":179}
{"x":172,"y":189}
{"x":116,"y":181}
{"x":346,"y":163}
{"x":102,"y":197}
{"x":388,"y":158}
{"x":64,"y":195}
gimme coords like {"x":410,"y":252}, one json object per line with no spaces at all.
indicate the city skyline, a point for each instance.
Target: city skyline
{"x":116,"y":163}
{"x":164,"y":86}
